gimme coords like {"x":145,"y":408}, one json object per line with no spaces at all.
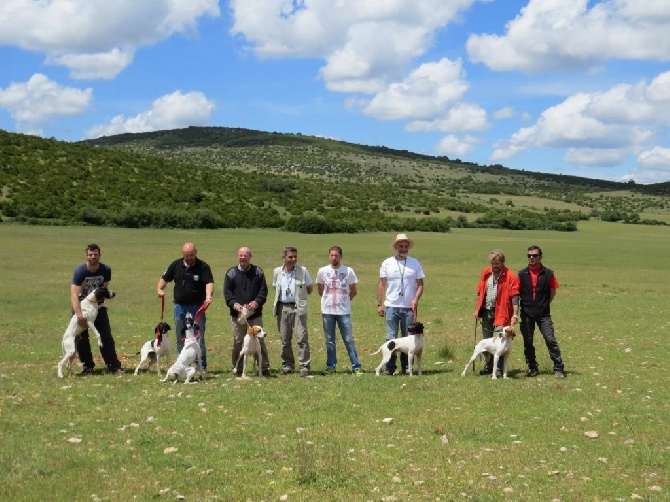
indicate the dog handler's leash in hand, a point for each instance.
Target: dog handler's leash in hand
{"x":475,"y":361}
{"x":200,"y":312}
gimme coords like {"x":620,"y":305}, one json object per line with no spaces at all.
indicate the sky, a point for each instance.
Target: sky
{"x":571,"y":87}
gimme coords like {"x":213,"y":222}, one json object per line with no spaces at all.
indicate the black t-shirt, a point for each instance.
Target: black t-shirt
{"x":189,"y":282}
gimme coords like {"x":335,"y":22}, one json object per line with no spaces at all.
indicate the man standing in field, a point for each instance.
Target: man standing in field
{"x":193,"y":290}
{"x":399,"y":289}
{"x":244,"y":286}
{"x":538,"y":287}
{"x":86,"y":278}
{"x":497,"y":301}
{"x":336,"y":284}
{"x":292,"y":284}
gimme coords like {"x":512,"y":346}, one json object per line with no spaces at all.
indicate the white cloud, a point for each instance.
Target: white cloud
{"x":506,"y":112}
{"x":653,"y":166}
{"x":458,"y":118}
{"x":35,"y":103}
{"x":456,"y":147}
{"x":96,"y":39}
{"x":425,"y":93}
{"x":106,"y":65}
{"x":599,"y":128}
{"x":172,"y":111}
{"x":365,"y":43}
{"x":555,"y":34}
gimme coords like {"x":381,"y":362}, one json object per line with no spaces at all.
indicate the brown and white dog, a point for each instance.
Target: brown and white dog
{"x":499,"y":345}
{"x":412,"y":345}
{"x":153,"y":349}
{"x":89,"y":308}
{"x":252,"y":346}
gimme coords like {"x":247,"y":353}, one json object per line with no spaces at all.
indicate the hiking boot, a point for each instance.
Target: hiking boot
{"x":532,"y":372}
{"x":329,"y":371}
{"x":286,"y":371}
{"x":486,"y":371}
{"x":559,"y":374}
{"x":304,"y":372}
{"x":85,"y":371}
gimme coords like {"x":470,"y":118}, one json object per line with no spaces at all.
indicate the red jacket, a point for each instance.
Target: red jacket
{"x":508,"y":287}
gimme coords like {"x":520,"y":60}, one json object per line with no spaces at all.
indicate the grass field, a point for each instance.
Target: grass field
{"x":324,"y":438}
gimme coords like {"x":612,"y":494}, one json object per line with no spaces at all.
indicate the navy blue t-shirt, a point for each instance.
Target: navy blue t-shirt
{"x":90,"y":280}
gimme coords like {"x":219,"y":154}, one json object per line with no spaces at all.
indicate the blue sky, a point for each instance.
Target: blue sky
{"x":560,"y":86}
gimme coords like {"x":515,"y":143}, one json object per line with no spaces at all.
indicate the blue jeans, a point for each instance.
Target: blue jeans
{"x":397,"y":320}
{"x":179,"y":315}
{"x":343,"y":322}
{"x":546,"y":326}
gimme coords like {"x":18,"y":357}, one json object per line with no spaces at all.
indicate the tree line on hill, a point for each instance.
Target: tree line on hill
{"x":235,"y":178}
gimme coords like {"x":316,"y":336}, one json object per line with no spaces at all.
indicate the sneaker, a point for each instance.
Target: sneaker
{"x":304,"y":372}
{"x":286,"y":371}
{"x":329,"y":371}
{"x":358,"y":372}
{"x":85,"y":371}
{"x":118,"y":371}
{"x":486,"y":371}
{"x":559,"y":374}
{"x":532,"y":372}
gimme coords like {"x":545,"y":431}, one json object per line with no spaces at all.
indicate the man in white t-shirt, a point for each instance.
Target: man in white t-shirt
{"x":337,"y":287}
{"x":398,"y":291}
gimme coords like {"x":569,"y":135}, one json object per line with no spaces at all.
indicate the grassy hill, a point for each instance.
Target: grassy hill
{"x":213,"y":177}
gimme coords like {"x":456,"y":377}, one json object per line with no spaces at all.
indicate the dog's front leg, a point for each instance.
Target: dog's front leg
{"x":496,"y":358}
{"x":410,"y":362}
{"x":92,"y":327}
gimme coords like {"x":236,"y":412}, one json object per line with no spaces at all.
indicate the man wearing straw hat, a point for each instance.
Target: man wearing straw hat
{"x":398,"y":292}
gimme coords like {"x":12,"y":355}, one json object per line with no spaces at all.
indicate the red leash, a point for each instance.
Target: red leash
{"x":157,"y":329}
{"x":415,"y":311}
{"x":200,"y":312}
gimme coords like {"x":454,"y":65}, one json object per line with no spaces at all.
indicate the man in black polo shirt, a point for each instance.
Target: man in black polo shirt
{"x":193,"y":289}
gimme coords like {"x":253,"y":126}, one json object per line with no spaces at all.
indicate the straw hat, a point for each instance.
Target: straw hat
{"x":399,"y":238}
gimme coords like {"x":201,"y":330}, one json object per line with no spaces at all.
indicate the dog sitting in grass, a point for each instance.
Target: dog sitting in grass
{"x":153,"y":349}
{"x":189,"y":355}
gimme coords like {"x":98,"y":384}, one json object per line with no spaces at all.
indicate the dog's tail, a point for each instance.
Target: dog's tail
{"x":378,"y":350}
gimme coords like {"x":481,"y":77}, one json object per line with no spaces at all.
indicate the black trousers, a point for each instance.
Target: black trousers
{"x":108,"y":349}
{"x":546,"y":326}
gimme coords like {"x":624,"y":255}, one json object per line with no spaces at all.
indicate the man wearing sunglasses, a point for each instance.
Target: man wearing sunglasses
{"x":538,"y":287}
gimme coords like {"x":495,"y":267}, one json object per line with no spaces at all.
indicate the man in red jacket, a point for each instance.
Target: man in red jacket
{"x":497,"y":300}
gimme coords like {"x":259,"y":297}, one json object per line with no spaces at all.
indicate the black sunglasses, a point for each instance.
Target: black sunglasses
{"x":533,"y":255}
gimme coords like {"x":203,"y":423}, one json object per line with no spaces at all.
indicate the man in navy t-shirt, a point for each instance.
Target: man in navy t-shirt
{"x":85,"y":279}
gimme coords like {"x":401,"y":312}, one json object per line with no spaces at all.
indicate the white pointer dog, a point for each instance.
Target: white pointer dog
{"x":89,"y":308}
{"x":252,"y":346}
{"x":153,"y":349}
{"x":412,"y":345}
{"x":189,"y":354}
{"x":499,"y":345}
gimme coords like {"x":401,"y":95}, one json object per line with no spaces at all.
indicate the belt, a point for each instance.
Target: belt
{"x":290,"y":304}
